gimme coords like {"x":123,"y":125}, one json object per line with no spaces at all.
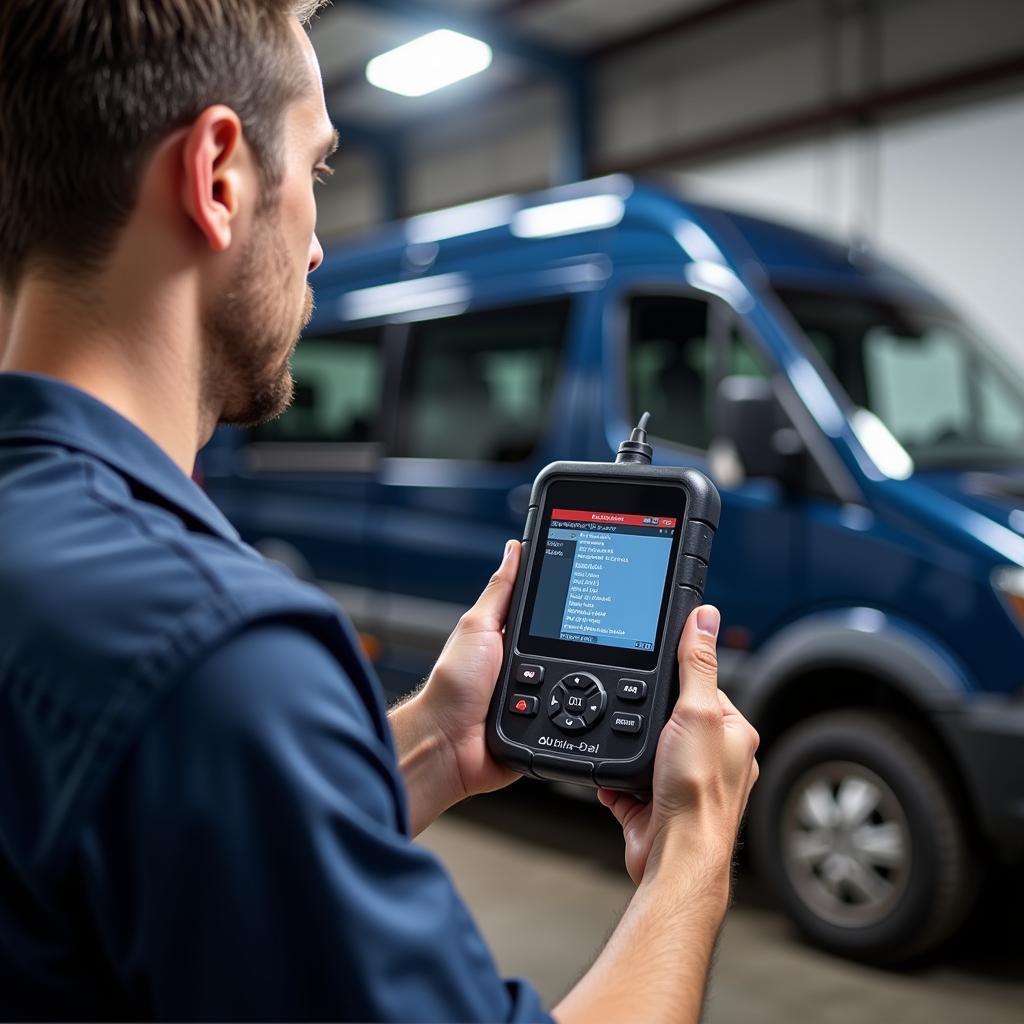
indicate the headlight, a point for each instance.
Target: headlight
{"x":1009,"y":584}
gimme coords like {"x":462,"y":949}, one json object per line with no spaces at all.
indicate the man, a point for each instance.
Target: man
{"x":204,"y":812}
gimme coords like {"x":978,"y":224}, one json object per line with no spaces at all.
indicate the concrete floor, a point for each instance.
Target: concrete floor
{"x":542,"y":873}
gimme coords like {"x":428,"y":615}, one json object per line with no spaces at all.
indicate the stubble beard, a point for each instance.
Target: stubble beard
{"x":252,"y":333}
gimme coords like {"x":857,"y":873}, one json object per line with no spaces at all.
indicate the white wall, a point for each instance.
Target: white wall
{"x":952,"y":207}
{"x":945,"y":200}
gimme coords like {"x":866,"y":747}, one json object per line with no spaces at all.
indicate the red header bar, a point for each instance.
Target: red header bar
{"x":618,"y":518}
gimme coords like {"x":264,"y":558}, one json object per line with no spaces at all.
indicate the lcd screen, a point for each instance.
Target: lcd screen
{"x":602,"y":577}
{"x":599,"y":580}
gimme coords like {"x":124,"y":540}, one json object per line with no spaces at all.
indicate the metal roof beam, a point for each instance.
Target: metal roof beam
{"x":692,"y":19}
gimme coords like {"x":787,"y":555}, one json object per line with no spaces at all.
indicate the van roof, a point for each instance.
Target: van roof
{"x":649,"y":221}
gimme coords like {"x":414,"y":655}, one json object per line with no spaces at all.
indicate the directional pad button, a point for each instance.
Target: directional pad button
{"x":594,"y":705}
{"x":570,"y":723}
{"x":578,"y":681}
{"x":577,"y":701}
{"x":556,"y":698}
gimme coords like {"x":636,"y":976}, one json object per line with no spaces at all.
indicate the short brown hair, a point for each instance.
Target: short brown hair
{"x":88,"y":88}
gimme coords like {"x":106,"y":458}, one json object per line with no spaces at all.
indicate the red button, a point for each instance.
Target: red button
{"x":522,"y":704}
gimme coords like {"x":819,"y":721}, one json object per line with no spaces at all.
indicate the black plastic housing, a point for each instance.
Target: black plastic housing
{"x":630,"y":760}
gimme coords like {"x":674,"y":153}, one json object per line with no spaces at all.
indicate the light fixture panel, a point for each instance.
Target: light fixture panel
{"x":429,"y":63}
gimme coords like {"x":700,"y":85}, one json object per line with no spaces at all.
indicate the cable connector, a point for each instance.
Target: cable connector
{"x":636,"y":449}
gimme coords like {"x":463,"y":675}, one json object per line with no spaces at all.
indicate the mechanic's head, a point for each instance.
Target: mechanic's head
{"x":150,"y":141}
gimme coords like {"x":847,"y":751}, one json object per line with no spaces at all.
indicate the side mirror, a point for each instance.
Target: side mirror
{"x":753,"y":436}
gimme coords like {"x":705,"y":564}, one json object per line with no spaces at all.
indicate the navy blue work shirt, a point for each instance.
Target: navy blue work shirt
{"x":201,"y":812}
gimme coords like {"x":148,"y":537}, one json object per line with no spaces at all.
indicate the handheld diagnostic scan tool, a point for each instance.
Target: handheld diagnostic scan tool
{"x":615,"y":557}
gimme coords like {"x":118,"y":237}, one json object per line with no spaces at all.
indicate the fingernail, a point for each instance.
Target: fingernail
{"x":708,"y":619}
{"x":508,"y":549}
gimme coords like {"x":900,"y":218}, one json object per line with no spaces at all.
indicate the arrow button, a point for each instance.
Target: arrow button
{"x":578,"y":680}
{"x":596,"y":702}
{"x":570,"y":723}
{"x":555,"y":701}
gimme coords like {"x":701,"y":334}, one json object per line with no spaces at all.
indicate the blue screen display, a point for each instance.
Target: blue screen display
{"x":602,"y":578}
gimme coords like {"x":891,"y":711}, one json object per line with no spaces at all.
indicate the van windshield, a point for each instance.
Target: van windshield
{"x":948,"y":400}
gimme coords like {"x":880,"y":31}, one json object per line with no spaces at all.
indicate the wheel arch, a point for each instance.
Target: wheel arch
{"x":860,"y":658}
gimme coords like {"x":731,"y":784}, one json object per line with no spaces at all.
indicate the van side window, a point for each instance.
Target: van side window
{"x":338,"y":387}
{"x":479,"y":386}
{"x":670,"y":367}
{"x":944,"y":398}
{"x":743,"y":361}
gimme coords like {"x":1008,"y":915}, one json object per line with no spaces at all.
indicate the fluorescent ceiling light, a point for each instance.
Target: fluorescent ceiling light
{"x":588,"y":213}
{"x":429,"y":63}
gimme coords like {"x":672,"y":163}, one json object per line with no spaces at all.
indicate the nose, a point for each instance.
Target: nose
{"x":316,"y":255}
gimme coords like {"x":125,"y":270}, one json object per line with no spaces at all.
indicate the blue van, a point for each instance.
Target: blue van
{"x":870,"y":453}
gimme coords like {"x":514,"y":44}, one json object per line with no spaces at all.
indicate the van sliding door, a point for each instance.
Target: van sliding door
{"x":473,"y":425}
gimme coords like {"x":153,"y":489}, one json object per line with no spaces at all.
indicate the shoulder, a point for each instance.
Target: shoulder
{"x":102,"y":584}
{"x":274,"y":703}
{"x":108,"y":601}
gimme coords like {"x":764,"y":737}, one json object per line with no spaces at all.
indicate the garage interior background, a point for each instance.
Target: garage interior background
{"x":895,"y":122}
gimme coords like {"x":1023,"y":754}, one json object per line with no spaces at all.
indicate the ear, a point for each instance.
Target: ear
{"x":214,"y":173}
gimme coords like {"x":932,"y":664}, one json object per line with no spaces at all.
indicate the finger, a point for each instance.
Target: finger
{"x":698,"y":658}
{"x":491,"y":608}
{"x":622,"y":805}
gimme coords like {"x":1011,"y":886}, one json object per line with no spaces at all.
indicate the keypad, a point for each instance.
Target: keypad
{"x":577,"y":701}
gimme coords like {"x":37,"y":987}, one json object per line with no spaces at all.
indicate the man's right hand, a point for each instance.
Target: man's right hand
{"x":703,"y":773}
{"x":678,"y":850}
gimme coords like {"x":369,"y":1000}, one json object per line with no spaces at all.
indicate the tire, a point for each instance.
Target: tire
{"x":882,"y":891}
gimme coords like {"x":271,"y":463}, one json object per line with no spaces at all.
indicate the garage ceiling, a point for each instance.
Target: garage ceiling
{"x":560,"y":65}
{"x":351,"y":32}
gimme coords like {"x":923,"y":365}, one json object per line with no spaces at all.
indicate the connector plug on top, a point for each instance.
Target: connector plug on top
{"x":636,"y":449}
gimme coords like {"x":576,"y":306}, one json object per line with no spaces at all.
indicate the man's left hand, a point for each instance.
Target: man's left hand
{"x":440,"y":731}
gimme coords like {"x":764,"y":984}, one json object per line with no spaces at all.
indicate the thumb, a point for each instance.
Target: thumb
{"x":491,"y":608}
{"x":698,"y":662}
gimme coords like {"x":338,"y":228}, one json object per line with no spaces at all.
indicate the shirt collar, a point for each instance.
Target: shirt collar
{"x":38,"y":408}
